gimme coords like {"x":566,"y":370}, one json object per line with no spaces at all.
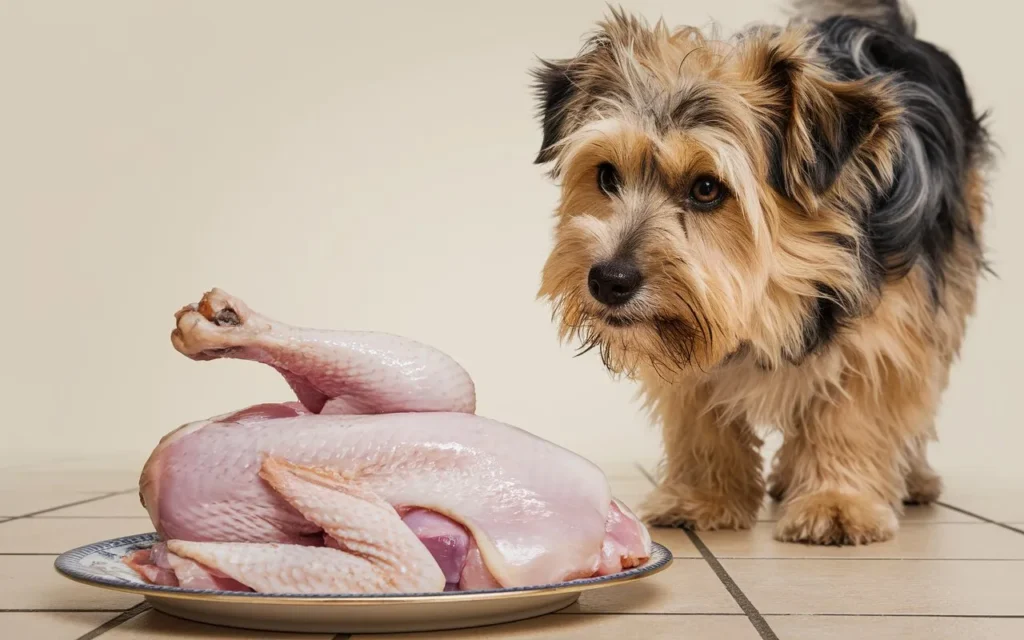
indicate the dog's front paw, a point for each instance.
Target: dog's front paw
{"x":831,"y":517}
{"x":682,"y":506}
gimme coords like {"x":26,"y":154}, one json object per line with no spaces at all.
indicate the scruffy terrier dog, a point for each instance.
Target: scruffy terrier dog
{"x":782,"y":229}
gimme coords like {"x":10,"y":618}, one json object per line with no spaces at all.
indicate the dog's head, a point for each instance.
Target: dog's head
{"x":708,"y":191}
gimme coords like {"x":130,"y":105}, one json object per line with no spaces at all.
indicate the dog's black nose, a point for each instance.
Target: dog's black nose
{"x":614,"y":282}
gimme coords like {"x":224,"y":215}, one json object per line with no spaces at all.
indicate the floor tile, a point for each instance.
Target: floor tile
{"x":75,"y":480}
{"x":924,"y":587}
{"x":676,"y":541}
{"x":934,"y":513}
{"x":122,"y":505}
{"x":30,"y":582}
{"x":688,"y":586}
{"x":909,"y":628}
{"x":51,"y":625}
{"x":631,"y":491}
{"x":934,"y":541}
{"x":16,"y":502}
{"x":1005,"y":504}
{"x":57,"y":535}
{"x":153,"y":624}
{"x":770,"y":511}
{"x":599,"y":627}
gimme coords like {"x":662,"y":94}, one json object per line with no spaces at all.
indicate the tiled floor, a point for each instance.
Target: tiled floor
{"x":955,"y":571}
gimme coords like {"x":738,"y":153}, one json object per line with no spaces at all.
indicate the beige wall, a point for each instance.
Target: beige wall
{"x":350,"y":165}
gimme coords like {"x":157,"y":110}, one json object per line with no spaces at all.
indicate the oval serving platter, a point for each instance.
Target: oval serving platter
{"x":100,"y":565}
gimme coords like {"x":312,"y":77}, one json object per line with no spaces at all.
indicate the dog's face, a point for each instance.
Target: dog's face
{"x":708,"y":191}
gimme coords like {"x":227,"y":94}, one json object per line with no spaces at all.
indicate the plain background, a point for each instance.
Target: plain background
{"x":362,"y":165}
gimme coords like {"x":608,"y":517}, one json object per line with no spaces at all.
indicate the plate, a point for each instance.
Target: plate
{"x":100,"y":565}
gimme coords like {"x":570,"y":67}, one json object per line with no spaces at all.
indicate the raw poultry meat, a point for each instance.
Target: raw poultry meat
{"x":379,"y":480}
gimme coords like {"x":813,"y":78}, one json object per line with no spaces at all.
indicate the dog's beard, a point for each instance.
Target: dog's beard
{"x":667,"y":345}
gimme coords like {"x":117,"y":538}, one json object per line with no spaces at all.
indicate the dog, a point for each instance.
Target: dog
{"x":782,"y":229}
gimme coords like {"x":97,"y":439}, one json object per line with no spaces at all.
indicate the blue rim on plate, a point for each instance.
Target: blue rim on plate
{"x":70,"y":564}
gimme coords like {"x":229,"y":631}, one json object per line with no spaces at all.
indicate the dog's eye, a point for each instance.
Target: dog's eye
{"x":608,"y":179}
{"x":707,"y":191}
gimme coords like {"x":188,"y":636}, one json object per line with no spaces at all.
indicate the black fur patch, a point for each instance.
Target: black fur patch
{"x":855,"y":116}
{"x":923,"y":213}
{"x":824,"y":320}
{"x":700,"y":109}
{"x":830,"y":312}
{"x":778,"y":78}
{"x":555,"y":88}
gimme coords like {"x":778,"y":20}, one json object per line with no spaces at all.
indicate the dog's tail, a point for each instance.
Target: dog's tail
{"x":891,"y":14}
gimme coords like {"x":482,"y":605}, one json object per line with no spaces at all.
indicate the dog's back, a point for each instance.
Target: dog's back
{"x":925,"y":212}
{"x":867,"y":38}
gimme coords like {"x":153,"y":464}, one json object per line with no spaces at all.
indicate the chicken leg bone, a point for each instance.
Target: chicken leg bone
{"x":339,"y":372}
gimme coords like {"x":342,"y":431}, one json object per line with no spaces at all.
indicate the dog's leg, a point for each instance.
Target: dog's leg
{"x":842,"y":489}
{"x":711,"y":475}
{"x":923,"y":485}
{"x":778,"y":478}
{"x":845,"y":463}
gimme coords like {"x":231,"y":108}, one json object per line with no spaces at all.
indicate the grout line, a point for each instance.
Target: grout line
{"x":926,"y":506}
{"x":753,"y":615}
{"x":759,"y":623}
{"x":91,"y":517}
{"x":645,"y":613}
{"x":61,"y":610}
{"x":828,"y":558}
{"x":115,"y":622}
{"x":903,"y":523}
{"x":70,"y":504}
{"x":692,"y":614}
{"x":980,"y":517}
{"x":931,"y":523}
{"x":901,"y":615}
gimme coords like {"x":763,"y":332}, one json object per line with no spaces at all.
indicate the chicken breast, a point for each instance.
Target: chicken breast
{"x":381,"y":479}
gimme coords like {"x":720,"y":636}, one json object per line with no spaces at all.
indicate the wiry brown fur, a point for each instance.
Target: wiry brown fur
{"x":721,"y":336}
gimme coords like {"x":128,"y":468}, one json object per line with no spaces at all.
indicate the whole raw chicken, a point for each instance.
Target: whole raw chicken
{"x":380,"y":480}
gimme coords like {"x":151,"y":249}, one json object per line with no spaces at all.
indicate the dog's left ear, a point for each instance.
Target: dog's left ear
{"x":568,"y":89}
{"x":817,"y":124}
{"x":555,"y":90}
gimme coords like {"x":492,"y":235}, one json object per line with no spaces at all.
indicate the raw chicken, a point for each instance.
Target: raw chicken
{"x":379,"y":480}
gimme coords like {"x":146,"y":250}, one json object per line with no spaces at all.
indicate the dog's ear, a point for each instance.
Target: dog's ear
{"x":555,"y":90}
{"x":817,"y":124}
{"x":567,"y":89}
